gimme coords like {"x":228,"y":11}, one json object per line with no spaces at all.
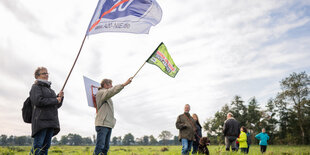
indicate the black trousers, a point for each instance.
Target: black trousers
{"x":263,"y":148}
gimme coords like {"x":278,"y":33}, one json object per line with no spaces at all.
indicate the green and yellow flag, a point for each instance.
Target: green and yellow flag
{"x":162,"y":59}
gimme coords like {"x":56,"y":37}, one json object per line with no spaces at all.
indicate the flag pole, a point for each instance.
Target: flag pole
{"x":93,"y":26}
{"x":139,"y":70}
{"x":63,"y":87}
{"x":145,"y":62}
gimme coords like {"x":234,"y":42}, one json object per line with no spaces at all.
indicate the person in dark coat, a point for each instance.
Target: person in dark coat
{"x":197,"y":135}
{"x":186,"y":125}
{"x":45,"y":103}
{"x":231,"y":132}
{"x":249,"y":141}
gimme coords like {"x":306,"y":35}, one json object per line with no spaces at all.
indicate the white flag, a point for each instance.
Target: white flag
{"x":129,"y":16}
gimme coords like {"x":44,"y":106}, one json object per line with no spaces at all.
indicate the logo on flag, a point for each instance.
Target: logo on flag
{"x":162,"y":59}
{"x":130,"y":16}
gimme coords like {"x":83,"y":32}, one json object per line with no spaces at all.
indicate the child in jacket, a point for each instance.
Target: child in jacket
{"x":243,"y":145}
{"x":263,"y":138}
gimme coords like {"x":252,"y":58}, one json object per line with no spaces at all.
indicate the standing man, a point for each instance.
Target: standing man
{"x":105,"y":120}
{"x":231,"y":132}
{"x":186,"y":125}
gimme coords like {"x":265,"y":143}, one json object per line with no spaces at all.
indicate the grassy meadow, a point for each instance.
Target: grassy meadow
{"x":154,"y":150}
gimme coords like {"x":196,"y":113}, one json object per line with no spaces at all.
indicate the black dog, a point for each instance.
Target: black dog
{"x":202,"y":147}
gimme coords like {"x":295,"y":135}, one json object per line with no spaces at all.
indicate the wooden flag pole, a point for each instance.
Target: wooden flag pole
{"x":139,"y":70}
{"x":63,"y":87}
{"x":146,"y":61}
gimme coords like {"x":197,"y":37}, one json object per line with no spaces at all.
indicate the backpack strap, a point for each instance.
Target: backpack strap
{"x":194,"y":127}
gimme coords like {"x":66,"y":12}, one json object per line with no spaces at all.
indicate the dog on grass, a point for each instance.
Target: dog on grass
{"x":202,"y":147}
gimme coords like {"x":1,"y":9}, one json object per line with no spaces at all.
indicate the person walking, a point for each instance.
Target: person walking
{"x":197,"y":134}
{"x":263,"y":138}
{"x":231,"y":131}
{"x":186,"y":126}
{"x":45,"y":103}
{"x":105,"y":120}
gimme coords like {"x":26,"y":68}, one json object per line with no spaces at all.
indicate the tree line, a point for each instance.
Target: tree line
{"x":164,"y":138}
{"x":286,"y":117}
{"x":70,"y":139}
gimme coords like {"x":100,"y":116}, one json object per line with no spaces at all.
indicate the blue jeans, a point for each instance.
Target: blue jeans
{"x":42,"y":141}
{"x":103,"y":140}
{"x":186,"y":146}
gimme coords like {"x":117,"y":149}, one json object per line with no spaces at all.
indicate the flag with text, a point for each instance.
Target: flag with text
{"x":163,"y":60}
{"x":129,"y":16}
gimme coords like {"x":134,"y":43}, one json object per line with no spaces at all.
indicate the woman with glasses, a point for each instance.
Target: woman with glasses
{"x":45,"y":103}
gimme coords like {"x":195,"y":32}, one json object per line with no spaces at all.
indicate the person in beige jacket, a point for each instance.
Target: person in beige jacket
{"x":105,"y":120}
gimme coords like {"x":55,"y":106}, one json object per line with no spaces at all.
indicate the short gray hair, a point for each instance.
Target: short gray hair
{"x":230,"y":114}
{"x":37,"y":71}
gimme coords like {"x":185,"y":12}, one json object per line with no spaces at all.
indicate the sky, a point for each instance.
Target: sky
{"x":223,"y":48}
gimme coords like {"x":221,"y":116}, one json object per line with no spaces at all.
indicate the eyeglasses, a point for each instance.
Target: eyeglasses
{"x":44,"y":73}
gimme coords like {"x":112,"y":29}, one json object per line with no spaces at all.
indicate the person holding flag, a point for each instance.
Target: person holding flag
{"x":105,"y":120}
{"x":45,"y":104}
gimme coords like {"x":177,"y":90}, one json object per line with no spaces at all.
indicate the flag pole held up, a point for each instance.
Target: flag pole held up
{"x":147,"y":12}
{"x":144,"y":64}
{"x":88,"y":30}
{"x":139,"y":70}
{"x":63,"y":87}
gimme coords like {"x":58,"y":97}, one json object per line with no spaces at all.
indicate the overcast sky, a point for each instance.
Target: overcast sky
{"x":222,"y":47}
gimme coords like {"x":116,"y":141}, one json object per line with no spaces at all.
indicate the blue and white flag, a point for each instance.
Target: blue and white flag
{"x":130,"y":16}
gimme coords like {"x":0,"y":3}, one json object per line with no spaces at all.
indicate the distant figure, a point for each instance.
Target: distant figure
{"x":263,"y":138}
{"x":231,"y":131}
{"x":186,"y":125}
{"x":243,"y":145}
{"x":105,"y":120}
{"x":197,"y":135}
{"x":249,"y":141}
{"x":45,"y":103}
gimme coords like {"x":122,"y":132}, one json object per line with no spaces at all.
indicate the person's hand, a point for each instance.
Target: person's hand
{"x":59,"y":99}
{"x":61,"y":94}
{"x":127,"y":82}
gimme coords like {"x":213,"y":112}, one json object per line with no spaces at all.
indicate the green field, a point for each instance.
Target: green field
{"x":153,"y":150}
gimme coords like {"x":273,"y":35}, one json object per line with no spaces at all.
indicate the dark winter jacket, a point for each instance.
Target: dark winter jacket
{"x":198,"y":134}
{"x":231,"y":128}
{"x":45,"y":108}
{"x":186,"y":125}
{"x":249,"y":138}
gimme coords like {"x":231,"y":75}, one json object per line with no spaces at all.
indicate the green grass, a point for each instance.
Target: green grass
{"x":154,"y":150}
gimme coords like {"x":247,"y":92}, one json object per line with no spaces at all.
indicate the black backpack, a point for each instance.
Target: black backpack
{"x":27,"y":111}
